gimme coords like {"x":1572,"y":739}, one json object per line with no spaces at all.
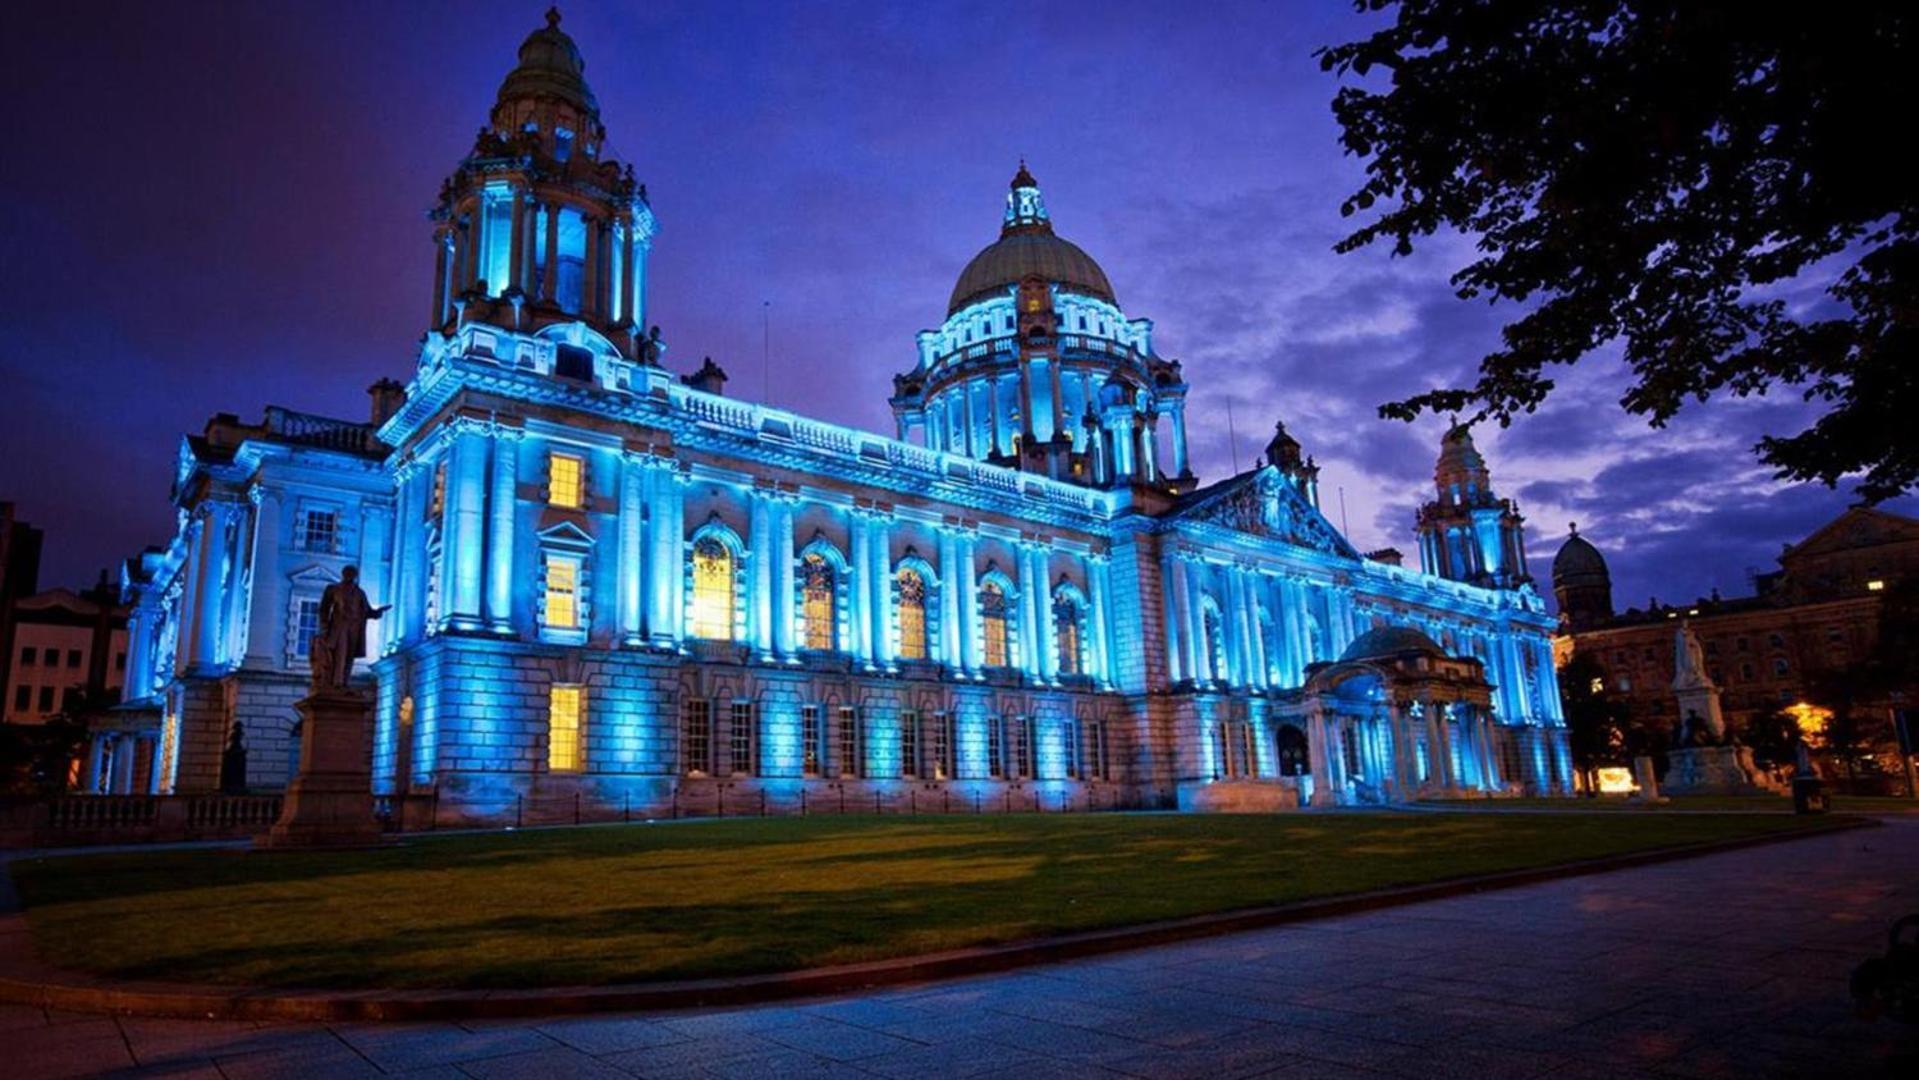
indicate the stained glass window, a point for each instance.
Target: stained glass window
{"x":912,"y":608}
{"x":1066,"y":620}
{"x":818,"y":586}
{"x":712,"y":590}
{"x":992,"y":610}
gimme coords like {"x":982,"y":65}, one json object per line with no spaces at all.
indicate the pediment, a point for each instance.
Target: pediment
{"x":566,"y":533}
{"x":1264,"y":504}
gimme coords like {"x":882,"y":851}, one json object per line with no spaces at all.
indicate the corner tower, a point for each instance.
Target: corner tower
{"x":1037,"y":368}
{"x":536,"y":226}
{"x":1468,"y":533}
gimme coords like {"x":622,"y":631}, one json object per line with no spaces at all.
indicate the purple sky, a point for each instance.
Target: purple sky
{"x":212,"y":208}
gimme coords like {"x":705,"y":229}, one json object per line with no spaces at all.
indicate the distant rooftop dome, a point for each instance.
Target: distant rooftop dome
{"x":1457,"y":454}
{"x":1579,"y":563}
{"x":1027,"y":247}
{"x":550,"y":67}
{"x":1382,"y":642}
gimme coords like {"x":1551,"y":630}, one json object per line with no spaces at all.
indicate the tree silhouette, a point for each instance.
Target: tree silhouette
{"x":1663,"y":176}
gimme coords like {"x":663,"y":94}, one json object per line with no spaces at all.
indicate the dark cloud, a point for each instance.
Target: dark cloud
{"x":211,"y":210}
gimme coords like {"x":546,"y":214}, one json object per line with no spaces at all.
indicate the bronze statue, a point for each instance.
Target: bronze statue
{"x":344,"y":611}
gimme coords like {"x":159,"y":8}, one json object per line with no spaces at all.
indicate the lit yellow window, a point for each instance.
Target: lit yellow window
{"x":565,"y":480}
{"x":1876,"y":585}
{"x":992,"y":609}
{"x":712,"y":615}
{"x":563,"y":728}
{"x":562,"y":592}
{"x":817,"y":587}
{"x":912,"y":608}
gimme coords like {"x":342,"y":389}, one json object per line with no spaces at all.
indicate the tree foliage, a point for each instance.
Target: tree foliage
{"x":1661,"y":176}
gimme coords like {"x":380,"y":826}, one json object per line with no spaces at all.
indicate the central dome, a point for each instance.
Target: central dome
{"x":550,"y":67}
{"x":1027,"y":247}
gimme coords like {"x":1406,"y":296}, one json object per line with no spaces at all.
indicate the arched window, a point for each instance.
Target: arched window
{"x":819,"y":587}
{"x":912,"y":614}
{"x":992,"y":613}
{"x":713,"y":572}
{"x":1069,"y":621}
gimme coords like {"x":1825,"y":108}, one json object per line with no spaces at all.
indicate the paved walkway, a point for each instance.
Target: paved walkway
{"x":1728,"y":965}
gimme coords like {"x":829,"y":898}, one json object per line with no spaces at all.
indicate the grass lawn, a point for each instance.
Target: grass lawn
{"x":641,"y":902}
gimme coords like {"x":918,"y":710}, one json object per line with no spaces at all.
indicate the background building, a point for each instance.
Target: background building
{"x":1802,"y":636}
{"x":615,"y":588}
{"x":19,"y":577}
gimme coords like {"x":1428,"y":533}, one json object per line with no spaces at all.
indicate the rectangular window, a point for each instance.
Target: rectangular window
{"x":942,"y":746}
{"x":436,"y":503}
{"x":73,"y":658}
{"x":739,"y":729}
{"x":317,"y":530}
{"x":1102,"y":764}
{"x":22,"y":698}
{"x":696,"y":737}
{"x":563,"y":728}
{"x":562,"y":592}
{"x":29,"y":656}
{"x":1069,"y":739}
{"x":46,"y":699}
{"x":810,"y":736}
{"x":306,"y":621}
{"x":1349,"y":749}
{"x":910,"y":744}
{"x":851,"y":756}
{"x":1021,"y":730}
{"x":565,"y":480}
{"x":996,"y":746}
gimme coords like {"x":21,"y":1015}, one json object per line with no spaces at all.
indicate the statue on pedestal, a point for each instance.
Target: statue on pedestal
{"x":341,"y":640}
{"x":1704,"y":759}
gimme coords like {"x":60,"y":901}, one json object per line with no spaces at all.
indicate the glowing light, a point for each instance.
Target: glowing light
{"x":1875,"y":585}
{"x":562,"y":592}
{"x":712,"y":615}
{"x":563,"y":728}
{"x":1811,"y":720}
{"x":565,"y":475}
{"x":1616,"y":780}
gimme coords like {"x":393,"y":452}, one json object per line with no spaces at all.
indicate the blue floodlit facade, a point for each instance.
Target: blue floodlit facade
{"x":613,"y":588}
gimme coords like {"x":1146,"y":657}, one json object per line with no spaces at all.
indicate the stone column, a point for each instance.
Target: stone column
{"x":96,"y":761}
{"x":1179,"y":621}
{"x":516,"y":243}
{"x":861,"y":621}
{"x":1203,"y":672}
{"x":628,"y":245}
{"x":632,"y":547}
{"x":409,"y":552}
{"x":550,"y":277}
{"x":968,"y":598}
{"x":1025,"y":401}
{"x":141,"y":625}
{"x":666,"y":569}
{"x":971,"y":449}
{"x":210,"y":546}
{"x":505,"y":504}
{"x":1060,"y":419}
{"x":590,"y":270}
{"x":265,"y":620}
{"x":882,"y":598}
{"x":123,"y":755}
{"x":465,"y":535}
{"x":1096,"y":581}
{"x":1320,"y":755}
{"x":376,"y":555}
{"x":950,"y":589}
{"x":760,"y":586}
{"x":783,"y":584}
{"x":1048,"y":628}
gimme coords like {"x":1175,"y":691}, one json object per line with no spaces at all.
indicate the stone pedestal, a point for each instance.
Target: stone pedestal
{"x":330,"y":804}
{"x":1647,"y":780}
{"x":1714,"y":770}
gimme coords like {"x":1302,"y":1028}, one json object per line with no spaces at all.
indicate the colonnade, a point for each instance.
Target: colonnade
{"x":507,"y":243}
{"x":1264,"y":639}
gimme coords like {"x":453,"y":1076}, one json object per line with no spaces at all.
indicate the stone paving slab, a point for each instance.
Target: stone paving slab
{"x":1728,"y":965}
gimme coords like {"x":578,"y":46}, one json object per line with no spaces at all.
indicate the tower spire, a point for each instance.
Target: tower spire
{"x":1025,"y":208}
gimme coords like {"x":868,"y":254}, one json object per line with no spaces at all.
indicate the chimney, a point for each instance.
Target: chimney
{"x":388,"y":395}
{"x":710,"y":379}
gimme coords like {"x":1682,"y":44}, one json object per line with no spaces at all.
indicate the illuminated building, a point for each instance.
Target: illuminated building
{"x":1817,"y":615}
{"x":617,"y":588}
